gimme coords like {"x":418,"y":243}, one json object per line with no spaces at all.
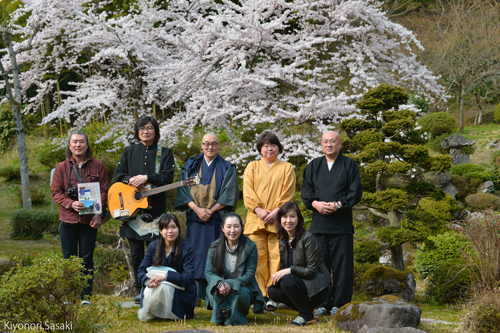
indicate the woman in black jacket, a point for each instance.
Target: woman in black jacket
{"x":303,"y":281}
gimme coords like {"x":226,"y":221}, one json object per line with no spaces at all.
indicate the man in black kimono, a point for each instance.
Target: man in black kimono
{"x":208,"y":203}
{"x":141,"y":164}
{"x":330,"y":188}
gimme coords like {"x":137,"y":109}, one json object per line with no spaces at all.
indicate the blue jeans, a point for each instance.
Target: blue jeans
{"x":78,"y":240}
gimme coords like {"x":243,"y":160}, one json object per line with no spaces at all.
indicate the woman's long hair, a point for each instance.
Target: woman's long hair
{"x":218,"y":259}
{"x":299,"y":229}
{"x":160,"y":249}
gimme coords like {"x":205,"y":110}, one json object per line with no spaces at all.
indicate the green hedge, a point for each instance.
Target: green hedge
{"x":31,"y":223}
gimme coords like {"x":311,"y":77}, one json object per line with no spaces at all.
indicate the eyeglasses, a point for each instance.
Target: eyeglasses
{"x":146,"y":129}
{"x":208,"y":144}
{"x":325,"y":142}
{"x":267,"y":146}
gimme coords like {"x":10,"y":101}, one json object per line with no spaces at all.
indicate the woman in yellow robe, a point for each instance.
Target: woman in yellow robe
{"x":267,"y":184}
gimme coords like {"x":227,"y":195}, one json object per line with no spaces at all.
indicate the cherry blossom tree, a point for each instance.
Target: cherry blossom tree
{"x":295,"y":68}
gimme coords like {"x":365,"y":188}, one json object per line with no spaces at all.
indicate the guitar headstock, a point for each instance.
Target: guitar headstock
{"x":196,"y":180}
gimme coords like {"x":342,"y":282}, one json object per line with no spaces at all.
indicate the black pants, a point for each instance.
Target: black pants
{"x":137,"y":248}
{"x":292,"y":291}
{"x":337,"y":252}
{"x":78,"y":240}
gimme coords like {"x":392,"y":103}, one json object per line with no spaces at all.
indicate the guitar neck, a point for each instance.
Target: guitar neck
{"x":161,"y":189}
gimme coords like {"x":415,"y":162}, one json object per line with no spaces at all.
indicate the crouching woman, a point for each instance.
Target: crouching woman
{"x":230,"y":274}
{"x":303,"y":281}
{"x":167,"y":275}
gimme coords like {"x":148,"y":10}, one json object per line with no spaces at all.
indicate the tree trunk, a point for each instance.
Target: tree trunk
{"x":462,"y":111}
{"x":396,"y":250}
{"x":16,"y":111}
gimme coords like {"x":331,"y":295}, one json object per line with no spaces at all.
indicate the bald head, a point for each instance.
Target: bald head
{"x":331,"y":144}
{"x":210,"y":145}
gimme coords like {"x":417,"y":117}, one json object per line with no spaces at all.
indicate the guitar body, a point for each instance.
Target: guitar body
{"x":123,"y":203}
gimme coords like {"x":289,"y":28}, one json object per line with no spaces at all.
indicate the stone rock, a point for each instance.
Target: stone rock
{"x":383,"y":280}
{"x":456,"y":141}
{"x":476,"y":216}
{"x":486,"y":187}
{"x":450,"y":189}
{"x":361,"y":217}
{"x":372,"y":237}
{"x":385,"y":260}
{"x":455,"y":227}
{"x":460,"y":158}
{"x":368,"y":329}
{"x":493,"y":144}
{"x":442,"y":179}
{"x":383,"y":312}
{"x":464,"y":214}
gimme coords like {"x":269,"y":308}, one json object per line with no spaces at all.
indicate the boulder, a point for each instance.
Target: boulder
{"x":486,"y":187}
{"x":383,"y":280}
{"x":443,"y":181}
{"x":368,"y":329}
{"x":456,"y":141}
{"x":383,"y":312}
{"x":493,"y":144}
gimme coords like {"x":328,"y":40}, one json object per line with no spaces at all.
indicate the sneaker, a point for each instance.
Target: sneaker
{"x":137,"y":299}
{"x":299,"y":321}
{"x":333,"y":311}
{"x":85,"y":302}
{"x":271,"y":305}
{"x":319,"y":312}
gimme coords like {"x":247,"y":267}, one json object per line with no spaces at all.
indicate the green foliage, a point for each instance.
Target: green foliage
{"x":105,"y":259}
{"x":450,"y":281}
{"x":7,"y":126}
{"x":39,"y":195}
{"x":465,"y":185}
{"x":441,"y":163}
{"x":51,"y":155}
{"x":366,"y":252}
{"x":11,"y":172}
{"x":483,"y":314}
{"x":443,"y":247}
{"x":383,"y":97}
{"x":47,"y":293}
{"x":359,"y":270}
{"x":118,"y":273}
{"x":184,"y":151}
{"x":470,"y":170}
{"x":31,"y":223}
{"x":438,"y":123}
{"x":369,"y":136}
{"x":36,"y":293}
{"x":482,"y":201}
{"x":497,"y":113}
{"x":391,"y":199}
{"x":420,"y":102}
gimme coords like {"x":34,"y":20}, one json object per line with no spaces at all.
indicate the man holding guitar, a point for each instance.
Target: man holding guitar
{"x":142,"y":165}
{"x":208,"y":203}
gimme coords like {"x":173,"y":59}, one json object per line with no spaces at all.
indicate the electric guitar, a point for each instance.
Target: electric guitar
{"x":125,"y":201}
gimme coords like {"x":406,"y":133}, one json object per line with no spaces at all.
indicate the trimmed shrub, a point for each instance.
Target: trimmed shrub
{"x":470,"y":170}
{"x":51,"y":155}
{"x":465,"y":186}
{"x":439,"y":249}
{"x":438,"y":123}
{"x":366,"y":252}
{"x":482,"y":201}
{"x":31,"y":223}
{"x":451,"y":281}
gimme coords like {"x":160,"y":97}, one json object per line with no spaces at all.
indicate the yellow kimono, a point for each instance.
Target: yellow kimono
{"x":267,"y":188}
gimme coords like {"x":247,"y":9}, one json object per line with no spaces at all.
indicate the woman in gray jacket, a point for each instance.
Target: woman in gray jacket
{"x":303,"y":281}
